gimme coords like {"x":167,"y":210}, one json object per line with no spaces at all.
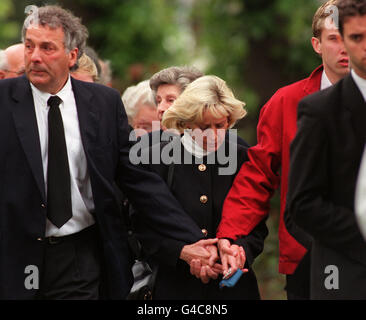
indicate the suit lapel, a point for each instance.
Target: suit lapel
{"x":354,"y":101}
{"x":26,"y":125}
{"x":88,"y":114}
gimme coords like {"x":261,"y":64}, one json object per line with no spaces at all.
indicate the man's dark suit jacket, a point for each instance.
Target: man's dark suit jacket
{"x":104,"y":134}
{"x":325,"y":158}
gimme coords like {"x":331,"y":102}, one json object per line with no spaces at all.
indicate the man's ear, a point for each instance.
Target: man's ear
{"x":2,"y":74}
{"x":73,"y":55}
{"x":317,"y":45}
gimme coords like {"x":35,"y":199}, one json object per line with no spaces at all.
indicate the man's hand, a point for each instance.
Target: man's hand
{"x":205,"y":273}
{"x":203,"y":250}
{"x":232,"y":257}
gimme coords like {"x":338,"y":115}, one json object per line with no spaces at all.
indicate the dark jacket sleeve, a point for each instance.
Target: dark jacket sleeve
{"x":309,"y":200}
{"x":155,"y":244}
{"x":158,"y":248}
{"x":253,"y":243}
{"x":148,"y":193}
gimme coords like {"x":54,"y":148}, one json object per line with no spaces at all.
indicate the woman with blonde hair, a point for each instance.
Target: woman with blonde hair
{"x":200,"y":165}
{"x":85,"y":70}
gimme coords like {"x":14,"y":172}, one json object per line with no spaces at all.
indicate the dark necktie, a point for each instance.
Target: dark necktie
{"x":59,"y":209}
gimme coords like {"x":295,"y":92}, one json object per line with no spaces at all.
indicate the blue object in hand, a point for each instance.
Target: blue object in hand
{"x":230,"y":282}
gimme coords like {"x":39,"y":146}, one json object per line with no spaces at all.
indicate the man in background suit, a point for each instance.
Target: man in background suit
{"x":325,"y":159}
{"x":63,"y":144}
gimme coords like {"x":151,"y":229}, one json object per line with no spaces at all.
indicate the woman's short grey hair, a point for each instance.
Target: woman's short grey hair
{"x":136,"y":96}
{"x":179,"y":76}
{"x":207,"y":93}
{"x":55,"y":17}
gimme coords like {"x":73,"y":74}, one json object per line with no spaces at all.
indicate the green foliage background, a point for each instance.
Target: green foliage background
{"x":257,"y":46}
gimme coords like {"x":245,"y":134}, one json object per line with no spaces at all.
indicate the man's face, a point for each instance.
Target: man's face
{"x":47,"y":61}
{"x":354,"y":35}
{"x":15,"y":56}
{"x":331,"y":48}
{"x":144,"y":118}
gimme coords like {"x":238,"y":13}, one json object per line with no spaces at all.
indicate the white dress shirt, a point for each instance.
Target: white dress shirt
{"x":360,"y":82}
{"x":325,"y":82}
{"x":81,"y":193}
{"x":360,"y":197}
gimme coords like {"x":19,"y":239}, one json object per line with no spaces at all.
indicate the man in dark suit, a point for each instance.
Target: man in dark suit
{"x":325,"y":159}
{"x":63,"y":145}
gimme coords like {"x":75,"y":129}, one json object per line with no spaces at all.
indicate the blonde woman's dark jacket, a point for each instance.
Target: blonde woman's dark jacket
{"x":201,"y":192}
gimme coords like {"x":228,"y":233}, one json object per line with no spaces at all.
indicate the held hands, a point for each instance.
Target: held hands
{"x":202,"y":256}
{"x":232,"y":257}
{"x":203,"y":250}
{"x":205,"y":267}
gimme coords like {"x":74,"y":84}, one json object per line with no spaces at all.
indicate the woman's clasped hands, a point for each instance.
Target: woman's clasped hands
{"x":211,"y":257}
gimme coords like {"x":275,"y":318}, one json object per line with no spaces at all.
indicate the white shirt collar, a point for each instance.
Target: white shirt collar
{"x":192,"y":147}
{"x":325,"y":82}
{"x":63,"y":94}
{"x":360,"y":82}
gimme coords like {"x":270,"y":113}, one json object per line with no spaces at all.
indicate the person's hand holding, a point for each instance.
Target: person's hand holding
{"x":232,"y":257}
{"x":202,"y":250}
{"x":206,"y":272}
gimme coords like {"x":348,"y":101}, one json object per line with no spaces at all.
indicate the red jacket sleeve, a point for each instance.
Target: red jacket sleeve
{"x":248,"y":200}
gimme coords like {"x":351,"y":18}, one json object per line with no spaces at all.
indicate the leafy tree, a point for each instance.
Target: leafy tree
{"x":9,"y":29}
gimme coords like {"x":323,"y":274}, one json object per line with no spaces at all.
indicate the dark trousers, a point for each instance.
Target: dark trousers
{"x":71,"y":267}
{"x":298,"y":283}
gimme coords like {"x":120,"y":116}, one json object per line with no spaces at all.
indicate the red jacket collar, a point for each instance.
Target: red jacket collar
{"x":313,"y":82}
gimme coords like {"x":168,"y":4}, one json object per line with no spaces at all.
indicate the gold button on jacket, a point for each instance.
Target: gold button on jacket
{"x":202,"y":167}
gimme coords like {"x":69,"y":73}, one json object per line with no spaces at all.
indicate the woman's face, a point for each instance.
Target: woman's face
{"x":210,"y":132}
{"x":166,"y":94}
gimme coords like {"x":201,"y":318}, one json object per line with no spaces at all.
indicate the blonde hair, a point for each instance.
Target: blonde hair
{"x":319,"y":17}
{"x":205,"y":93}
{"x":86,"y":65}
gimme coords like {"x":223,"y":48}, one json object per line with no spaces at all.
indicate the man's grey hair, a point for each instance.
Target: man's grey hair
{"x":55,"y":17}
{"x":4,"y":65}
{"x":179,"y":76}
{"x":136,"y":96}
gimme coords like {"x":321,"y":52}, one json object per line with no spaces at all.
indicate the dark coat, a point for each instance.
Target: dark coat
{"x":189,"y":184}
{"x":104,"y":134}
{"x":325,"y":159}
